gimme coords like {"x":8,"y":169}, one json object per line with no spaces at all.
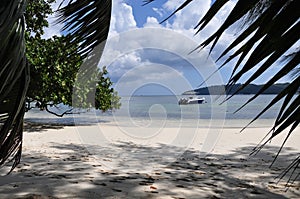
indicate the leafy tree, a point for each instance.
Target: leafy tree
{"x":52,"y":72}
{"x":36,"y":14}
{"x":94,"y":90}
{"x":54,"y":66}
{"x":14,"y":70}
{"x":106,"y":97}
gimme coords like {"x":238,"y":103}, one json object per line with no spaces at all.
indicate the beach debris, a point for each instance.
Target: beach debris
{"x":200,"y":172}
{"x":153,"y":187}
{"x":117,"y":190}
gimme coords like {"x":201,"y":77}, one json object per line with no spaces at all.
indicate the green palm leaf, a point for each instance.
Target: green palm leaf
{"x":14,"y":79}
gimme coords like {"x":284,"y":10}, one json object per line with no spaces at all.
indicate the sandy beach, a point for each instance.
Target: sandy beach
{"x":70,"y":162}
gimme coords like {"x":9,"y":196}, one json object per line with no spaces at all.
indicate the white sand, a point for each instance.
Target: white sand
{"x":109,"y":161}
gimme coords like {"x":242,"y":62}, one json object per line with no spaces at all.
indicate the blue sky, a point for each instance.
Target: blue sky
{"x":141,"y":13}
{"x":142,"y":54}
{"x":188,"y":71}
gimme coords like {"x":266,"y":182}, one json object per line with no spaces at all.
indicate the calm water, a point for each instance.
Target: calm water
{"x":167,"y":107}
{"x":141,"y":109}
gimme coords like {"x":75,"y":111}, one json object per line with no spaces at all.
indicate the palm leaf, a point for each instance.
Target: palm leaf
{"x":210,"y":14}
{"x":241,"y":9}
{"x":180,"y":8}
{"x":273,"y":29}
{"x":14,"y":80}
{"x":278,"y":36}
{"x":87,"y":22}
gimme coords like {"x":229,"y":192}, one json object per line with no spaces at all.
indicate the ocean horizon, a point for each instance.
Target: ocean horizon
{"x":150,"y":110}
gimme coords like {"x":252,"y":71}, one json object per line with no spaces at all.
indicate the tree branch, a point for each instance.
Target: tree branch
{"x":68,"y":112}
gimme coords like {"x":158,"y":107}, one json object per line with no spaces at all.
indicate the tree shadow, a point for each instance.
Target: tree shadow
{"x":128,"y":170}
{"x":43,"y":124}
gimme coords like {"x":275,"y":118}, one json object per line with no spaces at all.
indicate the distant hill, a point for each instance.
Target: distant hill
{"x":250,"y":89}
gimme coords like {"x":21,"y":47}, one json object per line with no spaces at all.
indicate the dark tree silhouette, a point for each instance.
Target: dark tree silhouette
{"x":14,"y":79}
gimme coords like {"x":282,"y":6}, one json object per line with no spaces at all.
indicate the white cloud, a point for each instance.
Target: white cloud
{"x":159,"y":11}
{"x":127,"y":51}
{"x":185,"y":21}
{"x":152,"y":22}
{"x":171,"y":5}
{"x":125,"y":62}
{"x":147,"y":74}
{"x":189,"y":16}
{"x":124,"y":52}
{"x":122,"y":18}
{"x":54,"y":28}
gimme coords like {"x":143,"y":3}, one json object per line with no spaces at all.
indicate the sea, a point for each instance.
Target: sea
{"x":155,"y":110}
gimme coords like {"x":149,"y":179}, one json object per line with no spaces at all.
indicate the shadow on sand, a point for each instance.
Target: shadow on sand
{"x":42,"y":124}
{"x":75,"y":173}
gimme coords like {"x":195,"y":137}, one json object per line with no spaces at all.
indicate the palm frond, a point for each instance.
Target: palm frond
{"x":87,"y":22}
{"x":273,"y":29}
{"x":278,"y":36}
{"x":187,"y":2}
{"x":14,"y":79}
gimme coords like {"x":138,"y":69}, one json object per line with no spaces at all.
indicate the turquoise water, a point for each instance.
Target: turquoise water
{"x":167,"y":107}
{"x":142,"y":109}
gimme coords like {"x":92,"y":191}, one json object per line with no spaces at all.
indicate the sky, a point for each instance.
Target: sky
{"x":144,"y":57}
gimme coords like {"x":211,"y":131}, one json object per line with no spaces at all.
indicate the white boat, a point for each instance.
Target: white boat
{"x":191,"y":100}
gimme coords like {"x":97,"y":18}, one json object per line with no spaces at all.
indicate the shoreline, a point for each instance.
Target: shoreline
{"x":111,"y":120}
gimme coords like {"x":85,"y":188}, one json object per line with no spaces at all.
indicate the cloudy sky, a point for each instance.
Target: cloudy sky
{"x":149,"y":58}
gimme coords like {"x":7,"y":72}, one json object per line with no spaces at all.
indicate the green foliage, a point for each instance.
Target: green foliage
{"x":36,"y":16}
{"x":54,"y":65}
{"x":53,"y":70}
{"x":93,"y":89}
{"x":14,"y":68}
{"x":106,"y":97}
